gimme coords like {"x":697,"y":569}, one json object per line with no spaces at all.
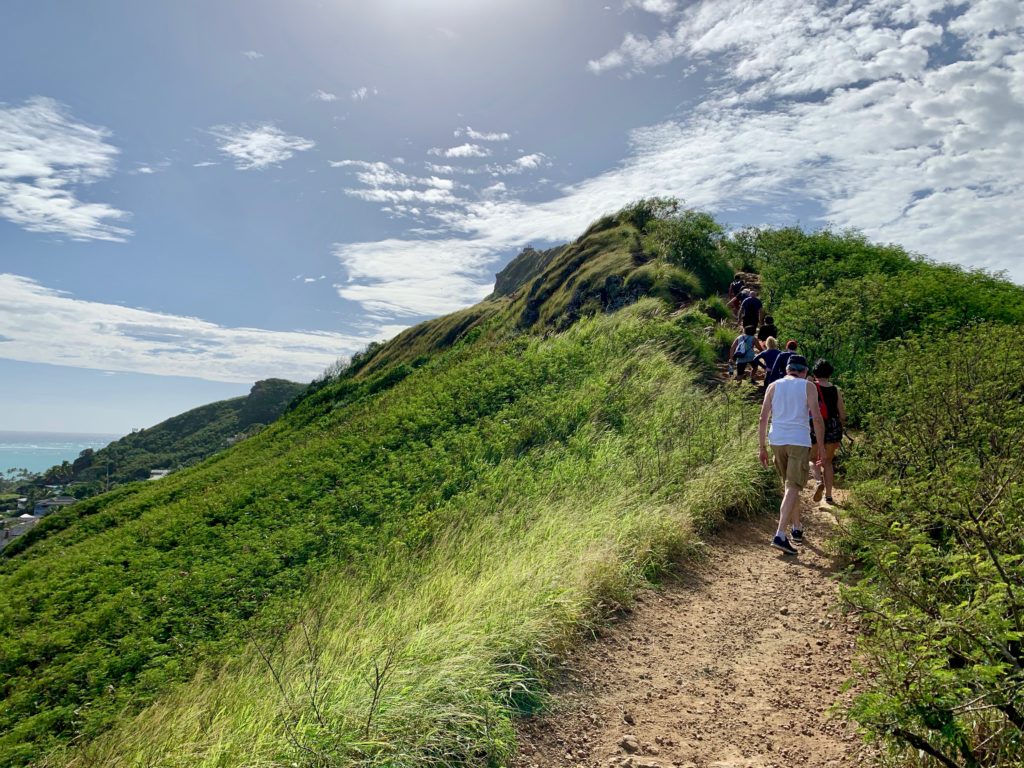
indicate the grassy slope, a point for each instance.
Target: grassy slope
{"x":595,"y":463}
{"x":570,"y":284}
{"x":442,"y":464}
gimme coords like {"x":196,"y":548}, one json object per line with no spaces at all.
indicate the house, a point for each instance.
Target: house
{"x":46,"y":506}
{"x":13,"y":527}
{"x":156,"y":474}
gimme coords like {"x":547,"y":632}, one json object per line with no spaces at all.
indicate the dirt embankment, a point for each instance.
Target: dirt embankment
{"x":737,"y":664}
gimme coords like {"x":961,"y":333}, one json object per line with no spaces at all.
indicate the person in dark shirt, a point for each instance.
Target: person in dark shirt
{"x":767,"y":329}
{"x":735,"y":288}
{"x":834,"y":415}
{"x":751,"y":310}
{"x":766,"y":358}
{"x":779,"y":366}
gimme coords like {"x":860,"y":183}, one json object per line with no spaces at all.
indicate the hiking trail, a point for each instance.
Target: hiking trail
{"x":734,"y":664}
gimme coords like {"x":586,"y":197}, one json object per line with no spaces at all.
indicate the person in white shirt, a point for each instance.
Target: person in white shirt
{"x":787,"y":403}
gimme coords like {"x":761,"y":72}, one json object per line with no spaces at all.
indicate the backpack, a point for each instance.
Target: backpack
{"x":741,"y":347}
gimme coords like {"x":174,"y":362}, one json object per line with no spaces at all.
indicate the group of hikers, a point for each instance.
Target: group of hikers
{"x":802,"y":414}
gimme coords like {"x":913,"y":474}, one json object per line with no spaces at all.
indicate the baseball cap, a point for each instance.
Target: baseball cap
{"x":796,"y":363}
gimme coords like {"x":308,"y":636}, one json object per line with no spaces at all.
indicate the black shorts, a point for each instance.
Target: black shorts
{"x":833,"y":430}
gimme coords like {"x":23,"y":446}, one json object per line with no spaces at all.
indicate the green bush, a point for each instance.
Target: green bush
{"x":642,"y":212}
{"x":939,"y":530}
{"x":846,"y":321}
{"x":715,"y":308}
{"x":671,"y":284}
{"x":792,"y":260}
{"x":692,"y":240}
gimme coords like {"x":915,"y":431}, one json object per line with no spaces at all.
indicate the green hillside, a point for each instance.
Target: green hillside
{"x":180,"y":441}
{"x":387,"y":573}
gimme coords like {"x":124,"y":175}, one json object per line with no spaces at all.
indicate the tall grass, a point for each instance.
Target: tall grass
{"x":424,"y":656}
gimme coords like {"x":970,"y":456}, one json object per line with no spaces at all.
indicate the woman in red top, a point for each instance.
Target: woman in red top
{"x":830,"y":400}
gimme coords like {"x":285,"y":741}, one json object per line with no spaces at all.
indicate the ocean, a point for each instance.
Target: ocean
{"x":37,"y":451}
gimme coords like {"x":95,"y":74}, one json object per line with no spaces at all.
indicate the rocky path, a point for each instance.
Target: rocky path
{"x":734,"y":665}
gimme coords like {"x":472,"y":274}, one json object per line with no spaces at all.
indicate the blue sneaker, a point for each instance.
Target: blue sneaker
{"x":798,"y":535}
{"x":781,"y":542}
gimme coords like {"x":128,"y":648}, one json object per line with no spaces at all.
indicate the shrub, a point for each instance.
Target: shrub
{"x":691,"y":239}
{"x":671,"y":284}
{"x":792,"y":260}
{"x":722,"y":339}
{"x":846,"y":321}
{"x":642,"y":212}
{"x":715,"y":308}
{"x":939,"y":530}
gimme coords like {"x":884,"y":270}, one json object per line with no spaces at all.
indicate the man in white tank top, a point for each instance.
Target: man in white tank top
{"x":788,"y":402}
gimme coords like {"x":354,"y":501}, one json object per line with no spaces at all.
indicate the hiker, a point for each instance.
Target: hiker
{"x":767,"y":329}
{"x":743,"y":350}
{"x":735,"y":287}
{"x":751,"y":310}
{"x":833,"y":413}
{"x":787,"y":402}
{"x":778,"y":369}
{"x":766,"y":358}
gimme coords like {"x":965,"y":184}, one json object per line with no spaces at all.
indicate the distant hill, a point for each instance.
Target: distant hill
{"x":178,"y":442}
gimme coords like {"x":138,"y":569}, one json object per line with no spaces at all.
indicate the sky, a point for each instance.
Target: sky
{"x":195,"y":196}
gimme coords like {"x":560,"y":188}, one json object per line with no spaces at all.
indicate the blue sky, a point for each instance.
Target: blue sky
{"x":197,"y":195}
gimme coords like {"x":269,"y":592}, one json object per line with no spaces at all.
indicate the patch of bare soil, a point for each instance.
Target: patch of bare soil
{"x":737,"y":664}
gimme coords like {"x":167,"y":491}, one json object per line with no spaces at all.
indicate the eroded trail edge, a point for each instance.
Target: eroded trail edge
{"x":736,"y":664}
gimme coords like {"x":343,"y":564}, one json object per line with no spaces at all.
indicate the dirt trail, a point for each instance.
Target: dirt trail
{"x":735,"y":665}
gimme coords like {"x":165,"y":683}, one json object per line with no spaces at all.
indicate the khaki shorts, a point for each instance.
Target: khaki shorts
{"x":791,"y":464}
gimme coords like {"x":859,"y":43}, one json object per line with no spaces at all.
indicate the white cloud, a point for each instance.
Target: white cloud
{"x":429,"y":196}
{"x":659,"y":7}
{"x":438,"y":183}
{"x":401,"y":192}
{"x":379,"y":174}
{"x":147,"y":169}
{"x":362,"y":93}
{"x":531,"y":161}
{"x":481,"y":136}
{"x":521,"y":164}
{"x":48,"y":326}
{"x":463,"y":150}
{"x":410,"y":278}
{"x":258,"y":146}
{"x":253,"y":55}
{"x":44,"y":155}
{"x":204,"y":164}
{"x":321,"y":95}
